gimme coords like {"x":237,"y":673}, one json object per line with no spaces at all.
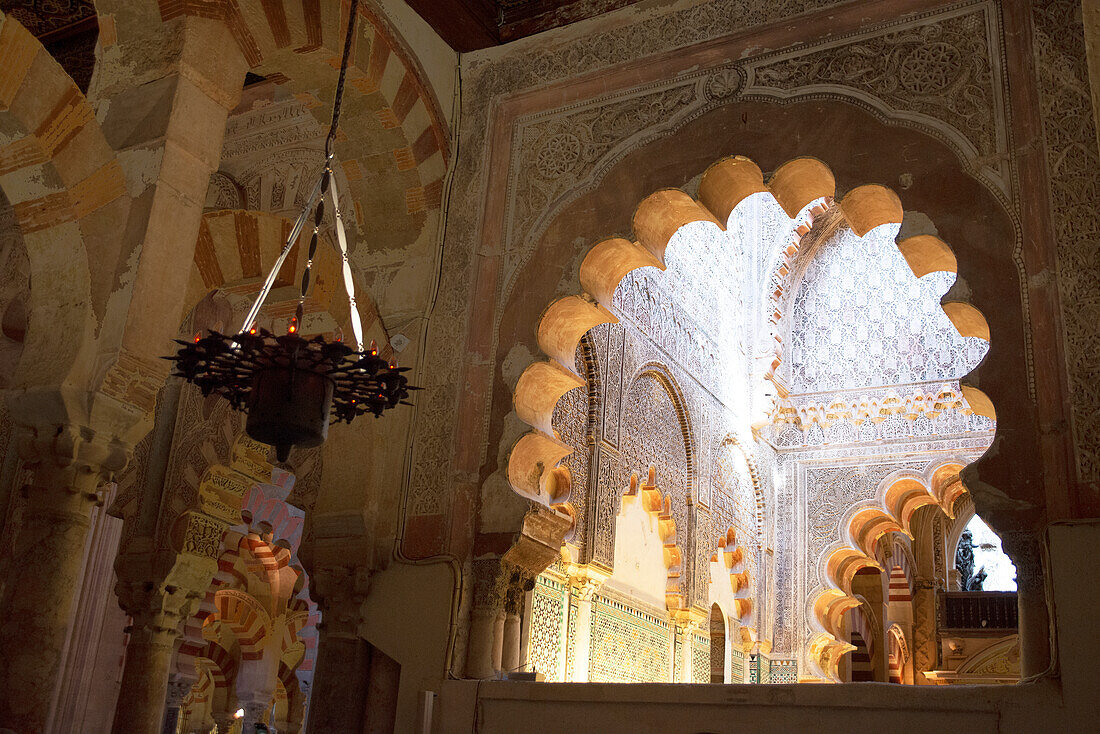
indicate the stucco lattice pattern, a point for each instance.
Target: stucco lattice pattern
{"x":862,"y":319}
{"x":628,"y":646}
{"x":655,"y":436}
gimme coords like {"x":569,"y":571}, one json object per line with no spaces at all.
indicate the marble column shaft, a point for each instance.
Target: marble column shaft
{"x":1025,"y":549}
{"x":36,"y":609}
{"x":141,"y":699}
{"x":480,"y":662}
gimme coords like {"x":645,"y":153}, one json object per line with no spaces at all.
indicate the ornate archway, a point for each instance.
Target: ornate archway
{"x":804,"y":191}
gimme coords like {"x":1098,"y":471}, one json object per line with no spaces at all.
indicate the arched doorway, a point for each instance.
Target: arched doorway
{"x":717,"y":645}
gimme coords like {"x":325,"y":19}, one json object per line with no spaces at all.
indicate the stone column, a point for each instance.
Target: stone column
{"x":486,"y":643}
{"x":510,"y":653}
{"x":157,"y":609}
{"x":93,"y":601}
{"x":224,"y":720}
{"x":498,"y":643}
{"x":145,"y":675}
{"x":514,"y":596}
{"x":479,"y":653}
{"x":36,"y":609}
{"x":1025,"y":550}
{"x":254,"y":713}
{"x":342,"y":675}
{"x":925,"y":653}
{"x":583,"y":589}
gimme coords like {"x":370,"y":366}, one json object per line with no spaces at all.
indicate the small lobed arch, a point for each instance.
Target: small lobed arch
{"x":865,"y":527}
{"x":796,"y":185}
{"x":754,"y":475}
{"x":730,"y":556}
{"x":661,"y":373}
{"x":659,"y":507}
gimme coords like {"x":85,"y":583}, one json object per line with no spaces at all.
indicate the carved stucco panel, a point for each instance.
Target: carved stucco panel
{"x":947,"y":71}
{"x":1073,"y":164}
{"x":536,"y":188}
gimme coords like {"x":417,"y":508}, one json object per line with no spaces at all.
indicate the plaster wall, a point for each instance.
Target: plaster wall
{"x":640,"y":570}
{"x":408,"y":616}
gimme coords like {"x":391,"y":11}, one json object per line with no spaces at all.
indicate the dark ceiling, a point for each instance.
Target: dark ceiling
{"x":67,"y":28}
{"x":468,"y":25}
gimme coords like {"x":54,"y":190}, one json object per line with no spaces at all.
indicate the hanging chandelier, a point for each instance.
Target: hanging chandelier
{"x":291,"y":386}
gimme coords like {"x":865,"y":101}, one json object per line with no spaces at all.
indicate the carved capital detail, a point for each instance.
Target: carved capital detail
{"x":340,"y":592}
{"x":1025,"y":550}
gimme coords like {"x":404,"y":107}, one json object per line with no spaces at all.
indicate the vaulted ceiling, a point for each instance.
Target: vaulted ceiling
{"x":468,"y":25}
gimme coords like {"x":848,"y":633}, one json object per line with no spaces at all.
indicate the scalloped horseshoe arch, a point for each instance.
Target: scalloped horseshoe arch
{"x":799,"y":186}
{"x":730,"y":557}
{"x":904,"y":494}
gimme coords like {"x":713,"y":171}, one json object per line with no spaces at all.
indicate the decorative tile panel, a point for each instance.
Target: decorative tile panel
{"x":545,"y":642}
{"x":628,"y":645}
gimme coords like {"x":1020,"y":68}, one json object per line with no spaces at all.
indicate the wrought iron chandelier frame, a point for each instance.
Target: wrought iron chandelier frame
{"x":255,"y":365}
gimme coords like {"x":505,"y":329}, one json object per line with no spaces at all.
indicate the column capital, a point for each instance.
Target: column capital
{"x":158,"y":603}
{"x":1025,"y":548}
{"x":224,"y":720}
{"x":340,"y":592}
{"x":507,"y":588}
{"x":586,"y":581}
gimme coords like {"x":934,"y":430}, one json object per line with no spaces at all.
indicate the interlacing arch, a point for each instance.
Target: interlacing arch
{"x":798,"y":185}
{"x":245,"y":617}
{"x":900,"y":495}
